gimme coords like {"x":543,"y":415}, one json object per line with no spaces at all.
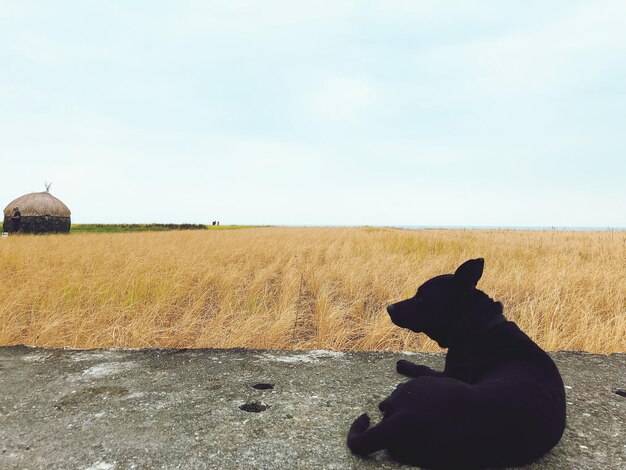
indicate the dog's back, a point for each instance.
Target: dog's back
{"x":515,"y":392}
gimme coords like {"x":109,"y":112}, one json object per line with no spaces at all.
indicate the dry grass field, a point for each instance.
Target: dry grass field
{"x":300,"y":288}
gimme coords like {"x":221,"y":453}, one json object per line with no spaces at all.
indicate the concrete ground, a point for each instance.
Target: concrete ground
{"x":118,"y":409}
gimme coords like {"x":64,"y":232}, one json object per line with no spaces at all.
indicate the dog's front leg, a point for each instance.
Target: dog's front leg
{"x":414,"y":370}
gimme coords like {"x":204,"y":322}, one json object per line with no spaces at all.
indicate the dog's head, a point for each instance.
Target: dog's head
{"x":432,"y":308}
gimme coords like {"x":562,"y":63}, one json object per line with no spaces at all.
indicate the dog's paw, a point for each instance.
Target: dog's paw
{"x":413,"y":370}
{"x":405,"y":367}
{"x":360,"y":424}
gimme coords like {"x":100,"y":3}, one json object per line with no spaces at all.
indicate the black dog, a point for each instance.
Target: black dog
{"x":499,"y":402}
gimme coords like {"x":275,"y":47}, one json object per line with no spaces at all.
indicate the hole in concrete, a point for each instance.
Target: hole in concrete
{"x":254,"y":407}
{"x":263,"y":386}
{"x":621,"y":393}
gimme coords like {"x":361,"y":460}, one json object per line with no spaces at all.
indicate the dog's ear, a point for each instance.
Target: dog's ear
{"x":469,"y":273}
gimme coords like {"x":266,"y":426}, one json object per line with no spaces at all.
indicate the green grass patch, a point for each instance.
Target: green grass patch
{"x":120,"y":228}
{"x":117,"y":228}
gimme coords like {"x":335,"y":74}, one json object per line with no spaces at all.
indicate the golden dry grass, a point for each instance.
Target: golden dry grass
{"x":300,"y":288}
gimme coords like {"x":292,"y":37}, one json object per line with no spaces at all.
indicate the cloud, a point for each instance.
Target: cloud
{"x":12,"y":9}
{"x":341,"y":99}
{"x":554,"y":54}
{"x":253,"y":17}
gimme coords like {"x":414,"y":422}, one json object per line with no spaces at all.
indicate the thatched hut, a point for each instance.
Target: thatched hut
{"x":40,"y":213}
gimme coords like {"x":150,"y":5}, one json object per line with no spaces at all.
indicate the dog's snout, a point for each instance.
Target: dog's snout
{"x":390,"y":309}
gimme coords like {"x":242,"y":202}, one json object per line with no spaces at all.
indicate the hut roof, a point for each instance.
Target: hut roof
{"x":36,"y":204}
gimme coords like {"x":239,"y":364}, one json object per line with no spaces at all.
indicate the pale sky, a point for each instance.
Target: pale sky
{"x":391,"y":112}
